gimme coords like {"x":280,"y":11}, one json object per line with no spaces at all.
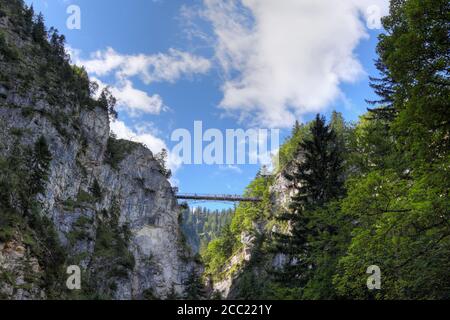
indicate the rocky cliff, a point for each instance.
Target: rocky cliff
{"x":254,"y":258}
{"x":108,"y":201}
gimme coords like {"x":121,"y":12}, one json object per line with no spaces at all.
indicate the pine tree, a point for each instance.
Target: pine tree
{"x":162,"y":160}
{"x":194,"y":287}
{"x":96,"y":190}
{"x":28,"y":17}
{"x":39,"y":165}
{"x":318,"y":180}
{"x":57,"y":43}
{"x":39,"y":32}
{"x":296,"y":128}
{"x":108,"y":102}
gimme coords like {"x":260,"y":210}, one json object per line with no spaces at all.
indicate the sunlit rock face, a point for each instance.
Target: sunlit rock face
{"x":126,"y":241}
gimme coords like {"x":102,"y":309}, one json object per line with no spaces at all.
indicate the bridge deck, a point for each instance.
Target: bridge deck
{"x":234,"y":198}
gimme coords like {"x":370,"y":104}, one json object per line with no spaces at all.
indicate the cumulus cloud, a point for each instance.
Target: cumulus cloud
{"x":147,"y":138}
{"x":132,"y":100}
{"x":137,"y":100}
{"x":168,"y":67}
{"x":161,"y":67}
{"x":282,"y":59}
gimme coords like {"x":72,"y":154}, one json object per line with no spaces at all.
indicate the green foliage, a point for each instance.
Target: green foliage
{"x":318,"y":178}
{"x":10,"y":222}
{"x":201,"y":225}
{"x":54,"y":75}
{"x":84,"y":197}
{"x":173,"y":295}
{"x":148,"y":294}
{"x":396,"y":160}
{"x":96,"y":190}
{"x":39,"y":32}
{"x":7,"y":49}
{"x":403,"y":230}
{"x":117,"y":150}
{"x":22,"y":177}
{"x":290,"y":148}
{"x":248,"y":213}
{"x":112,"y":243}
{"x":218,"y":252}
{"x":217,"y":255}
{"x":401,"y":203}
{"x":80,"y":230}
{"x":39,"y":164}
{"x":107,"y":102}
{"x":162,"y":160}
{"x":415,"y":88}
{"x":195,"y":289}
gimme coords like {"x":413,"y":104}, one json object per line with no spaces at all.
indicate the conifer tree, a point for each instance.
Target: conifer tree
{"x":194,"y":287}
{"x":162,"y":160}
{"x":318,"y":180}
{"x":39,"y":32}
{"x":96,"y":190}
{"x":39,"y":165}
{"x":28,"y":17}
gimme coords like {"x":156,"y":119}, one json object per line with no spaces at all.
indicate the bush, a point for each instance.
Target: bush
{"x":96,"y":191}
{"x":9,"y":51}
{"x":9,"y":222}
{"x":85,"y":197}
{"x":117,"y":150}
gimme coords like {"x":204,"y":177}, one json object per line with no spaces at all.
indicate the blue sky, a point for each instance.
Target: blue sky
{"x":230,"y":64}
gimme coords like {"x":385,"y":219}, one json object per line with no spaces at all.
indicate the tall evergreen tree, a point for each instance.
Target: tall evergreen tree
{"x":39,"y":32}
{"x":401,"y":200}
{"x":39,"y":165}
{"x":195,"y":290}
{"x":28,"y":17}
{"x":318,"y":181}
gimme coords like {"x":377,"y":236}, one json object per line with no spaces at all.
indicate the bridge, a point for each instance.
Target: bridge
{"x":216,"y":197}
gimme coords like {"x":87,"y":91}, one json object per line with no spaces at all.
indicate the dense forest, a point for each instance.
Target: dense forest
{"x":370,"y":193}
{"x":201,"y":225}
{"x":375,"y":192}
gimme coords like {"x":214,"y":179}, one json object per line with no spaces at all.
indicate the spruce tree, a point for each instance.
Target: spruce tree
{"x":161,"y":158}
{"x":96,"y":190}
{"x":39,"y":32}
{"x":39,"y":165}
{"x":28,"y":17}
{"x":318,"y":180}
{"x":194,"y":287}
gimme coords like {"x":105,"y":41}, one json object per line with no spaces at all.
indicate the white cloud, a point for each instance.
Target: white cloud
{"x":159,"y":67}
{"x":231,"y":168}
{"x":120,"y":129}
{"x":283,"y":59}
{"x":132,"y":100}
{"x":155,"y":144}
{"x":137,"y":100}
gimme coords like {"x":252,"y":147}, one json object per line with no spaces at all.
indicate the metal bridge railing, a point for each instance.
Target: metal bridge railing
{"x":216,"y":197}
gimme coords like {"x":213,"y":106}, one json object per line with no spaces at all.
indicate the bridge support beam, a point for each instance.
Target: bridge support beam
{"x":233,"y":198}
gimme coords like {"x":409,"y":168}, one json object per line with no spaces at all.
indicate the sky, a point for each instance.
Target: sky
{"x":232,"y":64}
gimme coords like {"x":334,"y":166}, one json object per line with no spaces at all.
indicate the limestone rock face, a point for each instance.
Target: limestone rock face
{"x":17,"y":263}
{"x":137,"y":207}
{"x":282,"y":189}
{"x":281,"y":192}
